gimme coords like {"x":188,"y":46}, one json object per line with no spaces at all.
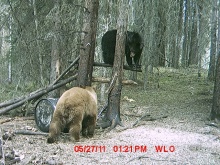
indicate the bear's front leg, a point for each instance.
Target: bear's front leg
{"x":54,"y":131}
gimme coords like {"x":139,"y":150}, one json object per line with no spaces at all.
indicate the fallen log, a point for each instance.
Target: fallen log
{"x":7,"y":103}
{"x":37,"y":94}
{"x":25,"y":132}
{"x":126,"y":67}
{"x":6,"y":120}
{"x":107,"y":80}
{"x":13,"y":101}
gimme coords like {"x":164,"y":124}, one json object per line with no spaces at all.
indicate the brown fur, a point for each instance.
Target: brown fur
{"x":76,"y":110}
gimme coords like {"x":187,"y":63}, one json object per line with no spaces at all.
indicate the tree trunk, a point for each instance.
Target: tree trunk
{"x":175,"y":61}
{"x":149,"y":52}
{"x":56,"y":49}
{"x":193,"y":52}
{"x":199,"y":22}
{"x":87,"y":50}
{"x":215,"y":112}
{"x":185,"y":49}
{"x":10,"y":52}
{"x":38,"y":48}
{"x":161,"y":32}
{"x":211,"y":73}
{"x":114,"y":95}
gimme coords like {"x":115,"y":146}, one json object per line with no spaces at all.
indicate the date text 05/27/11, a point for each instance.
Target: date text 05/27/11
{"x":122,"y":148}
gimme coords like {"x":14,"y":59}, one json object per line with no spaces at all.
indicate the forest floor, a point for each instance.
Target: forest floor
{"x":173,"y":130}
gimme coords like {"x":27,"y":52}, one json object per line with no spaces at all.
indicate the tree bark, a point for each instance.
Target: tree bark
{"x":193,"y":51}
{"x":114,"y":95}
{"x":215,"y":112}
{"x":38,"y":48}
{"x":211,"y":72}
{"x":87,"y":50}
{"x":161,"y":31}
{"x":184,"y":60}
{"x":175,"y":61}
{"x":56,"y":48}
{"x":199,"y":22}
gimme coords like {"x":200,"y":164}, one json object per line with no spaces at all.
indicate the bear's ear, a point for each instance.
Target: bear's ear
{"x":94,"y":87}
{"x":82,"y":86}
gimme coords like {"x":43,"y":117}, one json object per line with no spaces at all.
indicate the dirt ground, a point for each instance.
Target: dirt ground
{"x":174,"y":133}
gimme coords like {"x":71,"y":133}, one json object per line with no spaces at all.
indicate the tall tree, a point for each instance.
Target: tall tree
{"x":38,"y":48}
{"x":215,"y":112}
{"x":211,"y":73}
{"x":87,"y":50}
{"x":150,"y":37}
{"x":184,"y":60}
{"x":176,"y":55}
{"x":162,"y":27}
{"x":173,"y":33}
{"x":114,"y":95}
{"x":56,"y":47}
{"x":193,"y":49}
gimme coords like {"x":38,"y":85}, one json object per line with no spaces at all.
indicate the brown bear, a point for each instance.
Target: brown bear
{"x":76,"y":110}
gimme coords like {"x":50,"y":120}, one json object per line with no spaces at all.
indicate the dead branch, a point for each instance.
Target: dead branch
{"x":102,"y":109}
{"x":37,"y":94}
{"x":148,"y":119}
{"x":126,"y":67}
{"x":107,"y":80}
{"x":7,"y":103}
{"x":25,"y":132}
{"x":213,"y":125}
{"x":13,"y":101}
{"x":138,"y":120}
{"x":112,"y":83}
{"x":6,"y":120}
{"x":129,"y":82}
{"x":144,"y":117}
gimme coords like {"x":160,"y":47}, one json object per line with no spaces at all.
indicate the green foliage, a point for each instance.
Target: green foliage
{"x":176,"y":86}
{"x":10,"y":91}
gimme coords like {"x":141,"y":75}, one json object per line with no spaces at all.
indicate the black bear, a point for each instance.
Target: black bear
{"x":133,"y":47}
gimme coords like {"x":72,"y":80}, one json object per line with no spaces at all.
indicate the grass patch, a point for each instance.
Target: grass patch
{"x":175,"y":87}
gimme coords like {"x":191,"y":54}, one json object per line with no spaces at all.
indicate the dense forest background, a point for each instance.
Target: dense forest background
{"x":39,"y":38}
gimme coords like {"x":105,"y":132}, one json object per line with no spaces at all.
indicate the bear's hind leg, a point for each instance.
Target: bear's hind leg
{"x":84,"y":127}
{"x":91,"y":126}
{"x":88,"y":126}
{"x":75,"y":131}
